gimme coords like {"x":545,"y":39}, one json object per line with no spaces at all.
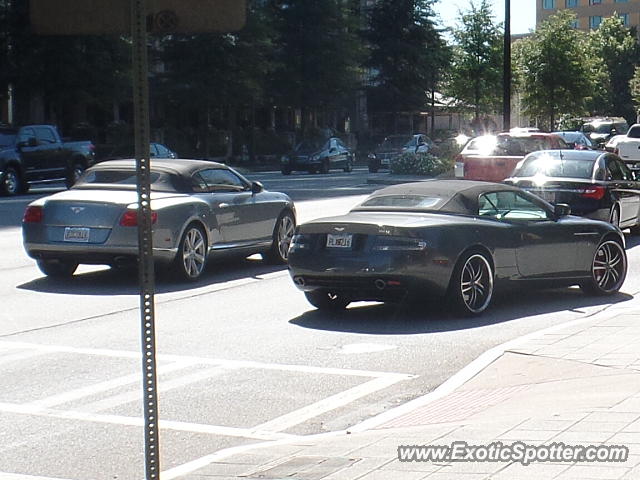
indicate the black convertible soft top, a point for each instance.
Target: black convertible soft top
{"x":456,"y":196}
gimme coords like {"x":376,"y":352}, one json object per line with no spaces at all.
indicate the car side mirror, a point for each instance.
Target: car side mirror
{"x":561,"y":210}
{"x":256,"y":187}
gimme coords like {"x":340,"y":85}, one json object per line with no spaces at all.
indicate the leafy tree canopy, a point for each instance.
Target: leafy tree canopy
{"x":407,"y":54}
{"x":476,"y":73}
{"x":553,"y":67}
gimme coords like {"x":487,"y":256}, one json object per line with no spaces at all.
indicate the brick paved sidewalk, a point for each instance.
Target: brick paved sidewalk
{"x":578,"y":384}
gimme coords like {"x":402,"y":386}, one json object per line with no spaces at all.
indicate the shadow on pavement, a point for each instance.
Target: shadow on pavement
{"x":125,"y":282}
{"x":433,"y":317}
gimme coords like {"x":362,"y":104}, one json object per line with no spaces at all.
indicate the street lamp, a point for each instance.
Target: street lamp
{"x":506,"y":101}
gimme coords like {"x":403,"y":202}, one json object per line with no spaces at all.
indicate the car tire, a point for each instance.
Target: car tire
{"x":10,"y":183}
{"x":57,"y":268}
{"x":608,"y":269}
{"x":286,"y":170}
{"x":324,"y":167}
{"x":327,"y":300}
{"x":191,"y":259}
{"x":471,"y":285}
{"x":349,"y":167}
{"x":282,"y":235}
{"x":74,"y":173}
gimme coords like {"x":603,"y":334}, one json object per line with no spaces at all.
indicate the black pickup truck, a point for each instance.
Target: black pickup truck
{"x":35,"y":154}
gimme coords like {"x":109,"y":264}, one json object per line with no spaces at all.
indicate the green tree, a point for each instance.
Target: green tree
{"x":553,"y":68}
{"x":318,"y":56}
{"x":476,"y":72}
{"x":634,"y":87}
{"x":407,"y":54}
{"x":67,"y":72}
{"x":615,"y":53}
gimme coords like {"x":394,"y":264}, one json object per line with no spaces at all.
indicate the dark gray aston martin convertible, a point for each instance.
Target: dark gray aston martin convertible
{"x":453,"y":238}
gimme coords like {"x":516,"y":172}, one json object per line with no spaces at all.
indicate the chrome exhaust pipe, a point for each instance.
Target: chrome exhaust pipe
{"x":299,"y":281}
{"x":380,"y":284}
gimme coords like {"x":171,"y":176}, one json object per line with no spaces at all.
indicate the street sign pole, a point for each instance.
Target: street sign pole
{"x":507,"y":67}
{"x":145,"y":244}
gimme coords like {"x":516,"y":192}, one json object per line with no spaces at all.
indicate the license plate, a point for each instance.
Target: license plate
{"x":342,"y":240}
{"x":546,"y":195}
{"x":76,"y":234}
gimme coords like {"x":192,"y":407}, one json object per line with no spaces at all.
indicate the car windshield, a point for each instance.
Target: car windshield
{"x":549,"y":166}
{"x":7,"y":139}
{"x":309,"y":145}
{"x":122,"y":179}
{"x":602,"y":128}
{"x":403,"y":201}
{"x":396,"y":141}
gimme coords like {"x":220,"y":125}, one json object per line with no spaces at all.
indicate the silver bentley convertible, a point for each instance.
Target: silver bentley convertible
{"x":199,"y":209}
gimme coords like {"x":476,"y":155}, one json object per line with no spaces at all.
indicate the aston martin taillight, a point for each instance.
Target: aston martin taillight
{"x":33,"y":215}
{"x":596,"y":192}
{"x":130,"y":218}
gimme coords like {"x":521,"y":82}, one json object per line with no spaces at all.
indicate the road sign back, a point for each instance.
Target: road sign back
{"x":96,"y":17}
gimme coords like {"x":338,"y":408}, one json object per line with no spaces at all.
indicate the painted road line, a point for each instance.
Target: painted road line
{"x":199,"y":360}
{"x":16,"y":476}
{"x":163,"y":386}
{"x":331,"y":403}
{"x":104,"y":386}
{"x":122,"y":420}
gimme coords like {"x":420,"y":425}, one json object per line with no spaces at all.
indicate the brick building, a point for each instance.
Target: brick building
{"x":590,"y":13}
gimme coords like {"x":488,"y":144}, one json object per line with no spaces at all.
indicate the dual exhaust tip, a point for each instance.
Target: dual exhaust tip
{"x":378,"y":283}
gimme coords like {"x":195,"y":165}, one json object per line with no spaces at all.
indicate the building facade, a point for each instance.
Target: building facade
{"x":590,"y":13}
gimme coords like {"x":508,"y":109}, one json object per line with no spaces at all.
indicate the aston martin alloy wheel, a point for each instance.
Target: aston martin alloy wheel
{"x":192,"y":253}
{"x":282,"y":235}
{"x":471,"y":286}
{"x":327,"y":300}
{"x":608,"y":269}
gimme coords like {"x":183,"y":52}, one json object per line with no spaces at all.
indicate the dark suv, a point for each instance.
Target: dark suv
{"x":600,"y":129}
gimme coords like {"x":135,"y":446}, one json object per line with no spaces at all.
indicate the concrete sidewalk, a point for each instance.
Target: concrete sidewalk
{"x":578,"y":383}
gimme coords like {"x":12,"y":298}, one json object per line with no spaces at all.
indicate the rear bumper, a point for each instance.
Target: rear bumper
{"x":94,"y":254}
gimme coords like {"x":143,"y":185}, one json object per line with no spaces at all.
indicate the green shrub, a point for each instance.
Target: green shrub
{"x":419,"y":164}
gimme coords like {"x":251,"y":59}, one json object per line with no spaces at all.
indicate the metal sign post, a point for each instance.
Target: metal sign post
{"x":94,"y":17}
{"x":145,"y":243}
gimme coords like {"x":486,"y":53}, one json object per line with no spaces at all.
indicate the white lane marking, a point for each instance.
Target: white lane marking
{"x":15,"y":476}
{"x":331,"y":403}
{"x":139,"y":422}
{"x":199,"y":360}
{"x":355,"y":348}
{"x":19,"y":356}
{"x":163,"y":386}
{"x":104,"y":386}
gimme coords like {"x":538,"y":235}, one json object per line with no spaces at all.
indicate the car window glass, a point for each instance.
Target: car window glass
{"x":624,"y":170}
{"x":198,"y":183}
{"x":555,"y":167}
{"x":510,"y":206}
{"x":614,"y":169}
{"x":222,"y":179}
{"x":634,"y":132}
{"x":7,"y":139}
{"x":26,"y":134}
{"x":162,"y":150}
{"x":45,"y":135}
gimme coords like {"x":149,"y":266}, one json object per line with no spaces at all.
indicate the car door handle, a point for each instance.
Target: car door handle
{"x":223,"y":205}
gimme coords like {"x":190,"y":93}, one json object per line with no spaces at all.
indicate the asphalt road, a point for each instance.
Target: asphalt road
{"x":243,"y":358}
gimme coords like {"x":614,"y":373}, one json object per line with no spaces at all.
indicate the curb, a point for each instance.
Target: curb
{"x":458,"y":379}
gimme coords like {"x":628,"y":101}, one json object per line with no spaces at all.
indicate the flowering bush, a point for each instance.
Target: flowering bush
{"x":419,"y":164}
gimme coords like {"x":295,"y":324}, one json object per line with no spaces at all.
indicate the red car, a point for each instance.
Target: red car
{"x":492,"y":158}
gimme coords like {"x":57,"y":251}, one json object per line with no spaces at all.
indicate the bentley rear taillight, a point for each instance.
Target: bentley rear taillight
{"x":33,"y":215}
{"x":130,"y":218}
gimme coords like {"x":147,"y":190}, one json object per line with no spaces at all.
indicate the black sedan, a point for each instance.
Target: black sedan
{"x":595,"y":184}
{"x":318,"y":156}
{"x":456,"y":239}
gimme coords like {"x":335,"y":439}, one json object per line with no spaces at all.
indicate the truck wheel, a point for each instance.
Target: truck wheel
{"x":10,"y":183}
{"x":74,"y":174}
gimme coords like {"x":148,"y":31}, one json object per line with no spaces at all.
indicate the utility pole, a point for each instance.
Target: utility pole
{"x":506,"y":101}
